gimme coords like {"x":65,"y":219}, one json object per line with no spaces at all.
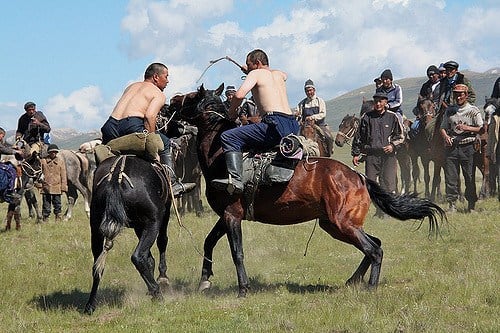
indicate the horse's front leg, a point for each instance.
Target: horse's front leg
{"x":211,"y":240}
{"x":234,"y":236}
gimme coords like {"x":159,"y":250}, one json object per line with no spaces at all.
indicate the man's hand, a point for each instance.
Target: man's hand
{"x":355,"y":160}
{"x":388,"y":149}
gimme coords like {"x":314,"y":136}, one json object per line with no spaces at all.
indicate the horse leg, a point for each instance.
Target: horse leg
{"x":235,"y":238}
{"x":211,"y":240}
{"x":144,"y":261}
{"x":161,"y":243}
{"x":369,"y":245}
{"x":97,"y":243}
{"x":84,"y":190}
{"x":33,"y":203}
{"x":71,"y":195}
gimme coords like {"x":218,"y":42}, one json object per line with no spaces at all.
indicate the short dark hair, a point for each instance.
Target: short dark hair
{"x":154,"y":68}
{"x":29,"y":105}
{"x":258,"y":55}
{"x":2,"y":131}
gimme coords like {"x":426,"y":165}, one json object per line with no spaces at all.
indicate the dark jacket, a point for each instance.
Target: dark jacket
{"x":377,"y":131}
{"x":32,"y":133}
{"x":446,"y":88}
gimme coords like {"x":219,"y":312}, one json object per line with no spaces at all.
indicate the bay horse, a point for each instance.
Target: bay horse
{"x":130,"y":192}
{"x":311,"y":131}
{"x":320,"y":188}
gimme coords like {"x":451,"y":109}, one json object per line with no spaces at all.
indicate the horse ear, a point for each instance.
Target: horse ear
{"x":219,"y":90}
{"x":201,"y":88}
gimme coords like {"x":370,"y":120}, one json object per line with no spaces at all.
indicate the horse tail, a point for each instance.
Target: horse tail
{"x":114,"y":219}
{"x":407,"y":206}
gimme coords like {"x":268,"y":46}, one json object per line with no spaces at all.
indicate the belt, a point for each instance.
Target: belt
{"x":276,"y":113}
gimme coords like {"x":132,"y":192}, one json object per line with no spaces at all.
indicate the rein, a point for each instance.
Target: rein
{"x":30,"y":171}
{"x":350,"y":133}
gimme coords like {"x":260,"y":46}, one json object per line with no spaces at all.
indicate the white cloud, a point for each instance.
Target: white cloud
{"x":82,"y":110}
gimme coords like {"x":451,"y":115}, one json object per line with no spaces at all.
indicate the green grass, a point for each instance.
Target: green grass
{"x":427,"y":285}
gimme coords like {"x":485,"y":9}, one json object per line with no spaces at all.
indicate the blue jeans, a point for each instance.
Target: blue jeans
{"x":48,"y":200}
{"x":261,"y":136}
{"x":114,"y":128}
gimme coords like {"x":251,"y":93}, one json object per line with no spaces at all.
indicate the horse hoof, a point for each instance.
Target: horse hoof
{"x":204,"y":285}
{"x":163,"y":281}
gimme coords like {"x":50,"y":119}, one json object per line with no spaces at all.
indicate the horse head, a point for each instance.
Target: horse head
{"x":200,"y":106}
{"x":347,"y":129}
{"x":427,"y":109}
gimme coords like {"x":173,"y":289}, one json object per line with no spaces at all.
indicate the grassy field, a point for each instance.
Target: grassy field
{"x":448,"y":284}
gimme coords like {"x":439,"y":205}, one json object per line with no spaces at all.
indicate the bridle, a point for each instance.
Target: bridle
{"x":351,"y":132}
{"x":30,"y":171}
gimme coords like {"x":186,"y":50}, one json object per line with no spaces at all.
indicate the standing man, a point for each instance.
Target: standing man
{"x":54,"y":183}
{"x":32,"y":127}
{"x":378,"y":138}
{"x":452,"y":78}
{"x":492,"y":115}
{"x":268,"y":87}
{"x":459,"y":127}
{"x":137,"y":110}
{"x":313,"y":109}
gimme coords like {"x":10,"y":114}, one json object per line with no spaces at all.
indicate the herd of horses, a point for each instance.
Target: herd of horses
{"x":130,"y":192}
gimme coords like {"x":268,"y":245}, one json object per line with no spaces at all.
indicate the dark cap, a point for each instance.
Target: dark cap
{"x":380,"y":95}
{"x":387,"y":74}
{"x":230,"y":89}
{"x":29,"y":105}
{"x":432,"y":70}
{"x":377,"y":79}
{"x":451,"y":64}
{"x":53,"y":147}
{"x":309,"y":84}
{"x":441,"y":67}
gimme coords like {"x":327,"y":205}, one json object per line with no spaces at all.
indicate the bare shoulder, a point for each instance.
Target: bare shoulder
{"x":278,"y":73}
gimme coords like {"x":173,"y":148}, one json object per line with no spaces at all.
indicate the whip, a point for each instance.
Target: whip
{"x":217,"y":60}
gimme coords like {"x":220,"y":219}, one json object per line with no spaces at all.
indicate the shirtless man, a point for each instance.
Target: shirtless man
{"x":268,"y":87}
{"x":136,"y":111}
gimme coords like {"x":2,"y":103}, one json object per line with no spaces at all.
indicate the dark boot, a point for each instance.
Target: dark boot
{"x":233,"y":184}
{"x":10,"y":214}
{"x":178,"y":188}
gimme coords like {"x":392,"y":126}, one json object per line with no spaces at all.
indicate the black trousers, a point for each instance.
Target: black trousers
{"x":460,"y":157}
{"x":383,"y":169}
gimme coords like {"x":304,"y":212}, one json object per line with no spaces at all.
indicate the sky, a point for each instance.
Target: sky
{"x":75,"y":58}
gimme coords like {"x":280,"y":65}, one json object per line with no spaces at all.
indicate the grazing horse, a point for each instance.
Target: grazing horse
{"x":320,"y":188}
{"x":188,"y":170}
{"x":311,"y":131}
{"x":130,"y":192}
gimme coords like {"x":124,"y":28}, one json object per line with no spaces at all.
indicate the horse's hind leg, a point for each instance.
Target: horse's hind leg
{"x":97,"y":243}
{"x":144,"y":261}
{"x":369,"y":245}
{"x":211,"y":240}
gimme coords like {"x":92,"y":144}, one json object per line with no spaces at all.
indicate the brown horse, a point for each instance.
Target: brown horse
{"x":311,"y":131}
{"x":321,"y":188}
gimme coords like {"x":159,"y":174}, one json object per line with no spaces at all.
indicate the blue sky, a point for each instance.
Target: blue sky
{"x":74,"y":58}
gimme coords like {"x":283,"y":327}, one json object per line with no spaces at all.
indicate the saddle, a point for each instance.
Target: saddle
{"x":272,"y":167}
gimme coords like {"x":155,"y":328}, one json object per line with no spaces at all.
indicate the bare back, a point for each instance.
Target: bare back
{"x":140,"y":99}
{"x":269,"y":90}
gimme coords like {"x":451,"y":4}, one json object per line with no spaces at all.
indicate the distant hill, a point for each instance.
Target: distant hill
{"x":350,"y":102}
{"x":64,"y":138}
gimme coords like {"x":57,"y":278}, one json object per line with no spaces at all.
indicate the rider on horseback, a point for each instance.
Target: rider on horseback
{"x":32,"y":128}
{"x":268,"y":88}
{"x":313,"y":109}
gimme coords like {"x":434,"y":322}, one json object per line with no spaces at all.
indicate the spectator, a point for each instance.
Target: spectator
{"x":459,"y":127}
{"x":230,"y":91}
{"x":394,"y":94}
{"x":379,"y":136}
{"x":32,"y":127}
{"x":313,"y":108}
{"x":54,"y":183}
{"x":446,"y":85}
{"x":492,"y":114}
